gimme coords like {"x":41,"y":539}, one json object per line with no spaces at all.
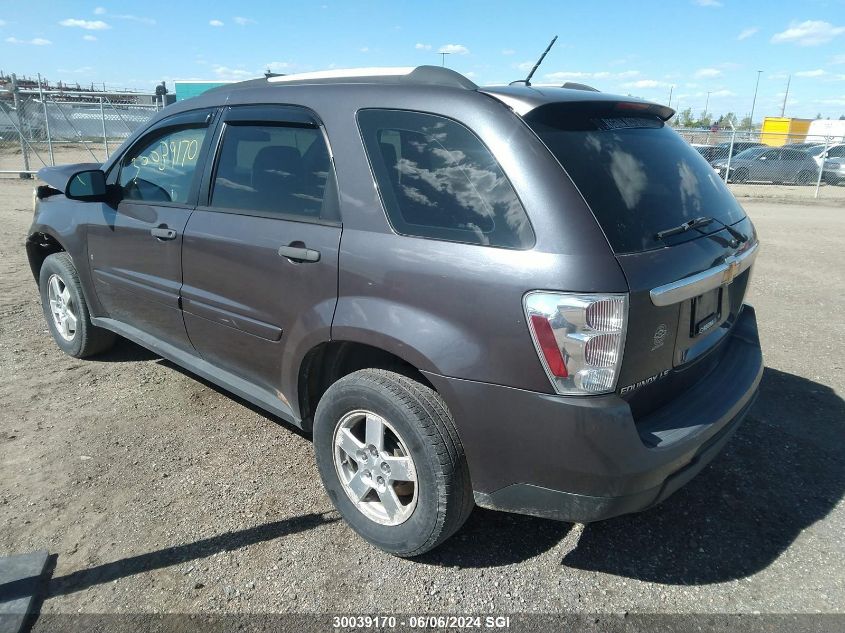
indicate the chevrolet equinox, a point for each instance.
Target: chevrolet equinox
{"x":524,"y":298}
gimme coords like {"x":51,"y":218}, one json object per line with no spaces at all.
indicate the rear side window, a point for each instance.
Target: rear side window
{"x":273,"y":169}
{"x":637,"y":174}
{"x":437,"y":180}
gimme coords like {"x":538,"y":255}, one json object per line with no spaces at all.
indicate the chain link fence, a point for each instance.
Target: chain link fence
{"x":46,"y":128}
{"x":39,"y":128}
{"x":770,"y":164}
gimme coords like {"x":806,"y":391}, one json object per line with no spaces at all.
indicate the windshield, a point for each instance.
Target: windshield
{"x":752,"y":152}
{"x":636,"y":173}
{"x":816,"y":151}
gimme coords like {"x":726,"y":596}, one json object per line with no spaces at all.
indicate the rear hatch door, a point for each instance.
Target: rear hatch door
{"x":646,"y":186}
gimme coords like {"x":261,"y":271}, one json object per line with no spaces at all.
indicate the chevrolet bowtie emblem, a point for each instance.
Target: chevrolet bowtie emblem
{"x":730,"y":272}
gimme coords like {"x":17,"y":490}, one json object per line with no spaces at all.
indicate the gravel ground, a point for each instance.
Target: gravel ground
{"x":157,"y":492}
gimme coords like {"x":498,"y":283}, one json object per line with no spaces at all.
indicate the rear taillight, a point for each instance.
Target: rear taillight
{"x":579,"y":338}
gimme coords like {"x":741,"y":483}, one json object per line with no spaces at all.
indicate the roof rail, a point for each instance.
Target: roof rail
{"x":427,"y":75}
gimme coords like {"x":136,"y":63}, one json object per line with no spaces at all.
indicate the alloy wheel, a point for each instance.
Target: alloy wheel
{"x":62,"y":307}
{"x":375,"y":467}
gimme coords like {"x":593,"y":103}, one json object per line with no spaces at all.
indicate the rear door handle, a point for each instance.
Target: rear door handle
{"x":163,"y":233}
{"x":299,"y":253}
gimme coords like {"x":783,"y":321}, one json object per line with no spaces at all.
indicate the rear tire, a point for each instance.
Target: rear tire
{"x":418,"y":434}
{"x":66,"y":311}
{"x":804,"y":178}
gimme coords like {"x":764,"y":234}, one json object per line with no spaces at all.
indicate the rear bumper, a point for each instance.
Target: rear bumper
{"x":586,"y":459}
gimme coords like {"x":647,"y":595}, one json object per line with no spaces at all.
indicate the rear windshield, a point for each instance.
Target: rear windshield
{"x":638,"y":176}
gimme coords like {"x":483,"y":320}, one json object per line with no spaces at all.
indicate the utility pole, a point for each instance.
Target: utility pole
{"x":754,"y":102}
{"x":707,"y":103}
{"x":785,"y":95}
{"x":671,"y":88}
{"x":443,"y":57}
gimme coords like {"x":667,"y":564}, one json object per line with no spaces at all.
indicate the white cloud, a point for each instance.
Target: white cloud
{"x":454,"y":49}
{"x":2,"y":22}
{"x":364,"y":49}
{"x":89,"y":38}
{"x":707,"y":72}
{"x":508,"y":51}
{"x":722,"y":93}
{"x":837,"y":59}
{"x":645,"y":83}
{"x":215,"y":23}
{"x":277,"y":67}
{"x":134,"y":18}
{"x":36,"y":41}
{"x":808,"y":33}
{"x":744,"y":34}
{"x":422,"y":47}
{"x":818,"y":72}
{"x":566,"y":75}
{"x":707,"y":3}
{"x":563,"y":75}
{"x":241,"y":21}
{"x":129,"y":17}
{"x":88,"y":25}
{"x":526,"y":66}
{"x":83,"y":70}
{"x":225,"y":72}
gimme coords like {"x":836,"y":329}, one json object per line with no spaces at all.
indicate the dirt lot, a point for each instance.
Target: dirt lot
{"x":157,"y":492}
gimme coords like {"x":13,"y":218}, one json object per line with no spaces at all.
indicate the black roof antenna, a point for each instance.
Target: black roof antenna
{"x":527,"y":80}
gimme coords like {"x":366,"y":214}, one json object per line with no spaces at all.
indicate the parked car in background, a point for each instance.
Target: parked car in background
{"x":709,"y":152}
{"x":770,"y":164}
{"x":834,"y":170}
{"x":722,"y":150}
{"x":530,"y":300}
{"x":820,"y":153}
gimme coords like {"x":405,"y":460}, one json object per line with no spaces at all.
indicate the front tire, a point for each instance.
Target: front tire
{"x":66,"y":311}
{"x":740,"y":176}
{"x":391,"y":461}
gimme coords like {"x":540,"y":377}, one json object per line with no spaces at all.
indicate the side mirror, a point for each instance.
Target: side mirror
{"x":88,"y":186}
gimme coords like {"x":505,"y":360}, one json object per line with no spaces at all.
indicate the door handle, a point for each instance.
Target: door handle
{"x":299,"y":253}
{"x":163,"y":233}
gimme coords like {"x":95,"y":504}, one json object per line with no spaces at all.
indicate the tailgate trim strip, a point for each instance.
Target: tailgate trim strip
{"x":689,"y":287}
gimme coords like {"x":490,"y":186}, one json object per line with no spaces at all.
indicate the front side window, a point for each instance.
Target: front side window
{"x":273,"y":169}
{"x":162,"y":169}
{"x":437,"y":180}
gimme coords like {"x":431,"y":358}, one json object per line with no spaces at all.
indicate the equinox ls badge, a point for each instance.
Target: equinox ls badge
{"x":643,"y":383}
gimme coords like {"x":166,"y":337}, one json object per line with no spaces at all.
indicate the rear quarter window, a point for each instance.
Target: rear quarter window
{"x":437,"y":180}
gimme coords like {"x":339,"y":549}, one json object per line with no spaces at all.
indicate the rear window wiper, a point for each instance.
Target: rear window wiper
{"x":697,"y":223}
{"x":684,"y":227}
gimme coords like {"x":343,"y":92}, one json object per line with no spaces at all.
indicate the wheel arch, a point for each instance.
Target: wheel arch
{"x":39,"y":246}
{"x":329,"y":361}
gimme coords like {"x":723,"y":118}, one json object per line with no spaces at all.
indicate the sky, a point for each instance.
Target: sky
{"x":642,"y":48}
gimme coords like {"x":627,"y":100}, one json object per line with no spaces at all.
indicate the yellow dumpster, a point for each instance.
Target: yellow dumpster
{"x":779,"y":131}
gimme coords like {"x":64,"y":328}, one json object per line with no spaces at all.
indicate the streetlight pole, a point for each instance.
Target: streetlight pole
{"x":707,"y":103}
{"x":785,"y":96}
{"x":671,"y":89}
{"x":443,"y":57}
{"x":754,"y":101}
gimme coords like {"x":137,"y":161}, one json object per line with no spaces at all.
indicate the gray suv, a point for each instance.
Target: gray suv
{"x":524,"y":298}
